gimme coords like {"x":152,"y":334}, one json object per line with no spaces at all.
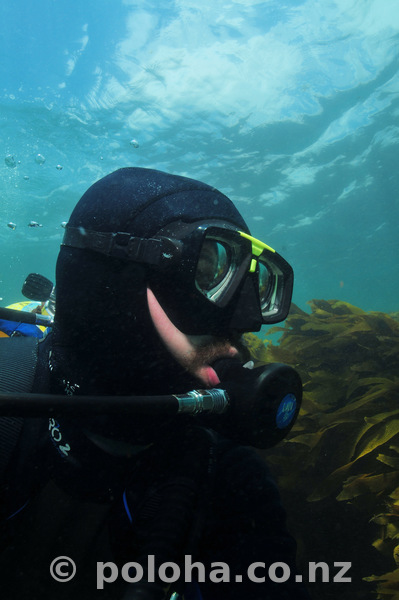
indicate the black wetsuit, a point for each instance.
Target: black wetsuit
{"x":86,"y":510}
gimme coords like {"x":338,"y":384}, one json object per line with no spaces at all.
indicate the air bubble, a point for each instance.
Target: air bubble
{"x":40,"y":159}
{"x":134,"y":143}
{"x":59,"y":167}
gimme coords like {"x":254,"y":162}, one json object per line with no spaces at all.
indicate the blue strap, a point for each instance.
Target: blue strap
{"x":11,"y":327}
{"x":127,"y":509}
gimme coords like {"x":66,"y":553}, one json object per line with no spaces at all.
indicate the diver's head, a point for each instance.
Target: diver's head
{"x":139,"y":244}
{"x":192,"y":246}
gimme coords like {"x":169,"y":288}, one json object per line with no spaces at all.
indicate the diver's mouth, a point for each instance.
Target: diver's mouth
{"x":202,"y":365}
{"x":205,"y":371}
{"x":208,"y":376}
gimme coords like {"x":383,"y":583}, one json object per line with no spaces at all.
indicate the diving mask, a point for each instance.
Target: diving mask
{"x":208,"y":277}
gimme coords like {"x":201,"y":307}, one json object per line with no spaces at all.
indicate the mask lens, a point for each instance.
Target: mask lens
{"x":265,"y":283}
{"x":213,"y":267}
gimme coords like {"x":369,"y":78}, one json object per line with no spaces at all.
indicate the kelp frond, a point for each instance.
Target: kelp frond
{"x":344,"y":449}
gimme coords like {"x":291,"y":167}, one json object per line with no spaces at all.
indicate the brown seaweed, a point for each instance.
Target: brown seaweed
{"x":340,"y":463}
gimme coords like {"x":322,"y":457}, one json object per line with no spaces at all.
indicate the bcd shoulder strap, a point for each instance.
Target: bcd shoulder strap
{"x":18,"y":359}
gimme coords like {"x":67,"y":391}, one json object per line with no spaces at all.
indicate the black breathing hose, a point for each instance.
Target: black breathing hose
{"x":45,"y":405}
{"x":251,"y":406}
{"x":30,"y":318}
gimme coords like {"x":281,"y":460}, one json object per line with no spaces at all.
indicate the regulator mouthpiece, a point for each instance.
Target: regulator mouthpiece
{"x":264,"y":402}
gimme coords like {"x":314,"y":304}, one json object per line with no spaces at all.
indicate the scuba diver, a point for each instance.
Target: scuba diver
{"x":157,"y":279}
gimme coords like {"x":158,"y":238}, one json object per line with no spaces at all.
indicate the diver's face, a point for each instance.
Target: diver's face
{"x":194,"y":352}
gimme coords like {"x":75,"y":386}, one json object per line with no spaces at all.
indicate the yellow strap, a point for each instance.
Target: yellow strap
{"x":257,"y":248}
{"x":257,"y":245}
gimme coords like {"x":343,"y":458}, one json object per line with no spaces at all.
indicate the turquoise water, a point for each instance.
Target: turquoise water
{"x":289,"y":108}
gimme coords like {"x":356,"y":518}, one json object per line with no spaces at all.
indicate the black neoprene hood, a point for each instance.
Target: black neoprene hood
{"x":142,"y":201}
